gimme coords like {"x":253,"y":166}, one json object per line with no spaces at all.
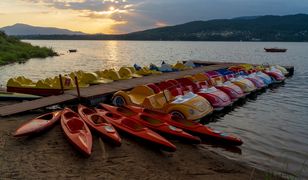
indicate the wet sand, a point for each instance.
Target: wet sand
{"x":50,"y":156}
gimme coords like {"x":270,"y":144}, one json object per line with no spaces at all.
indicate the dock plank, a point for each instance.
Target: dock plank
{"x":35,"y":104}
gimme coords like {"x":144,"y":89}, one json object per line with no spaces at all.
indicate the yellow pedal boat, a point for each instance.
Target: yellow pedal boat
{"x":127,"y":72}
{"x":180,"y":66}
{"x":246,"y":85}
{"x":111,"y":74}
{"x":189,"y":106}
{"x":44,"y":87}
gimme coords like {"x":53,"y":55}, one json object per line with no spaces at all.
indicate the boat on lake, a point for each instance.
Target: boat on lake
{"x":275,"y":49}
{"x":72,"y":50}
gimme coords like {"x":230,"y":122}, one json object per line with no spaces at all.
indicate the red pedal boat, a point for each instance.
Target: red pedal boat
{"x":76,"y":131}
{"x":216,"y":97}
{"x":195,"y":128}
{"x":136,"y":129}
{"x":98,"y":124}
{"x":153,"y":123}
{"x":221,"y":82}
{"x":38,"y":124}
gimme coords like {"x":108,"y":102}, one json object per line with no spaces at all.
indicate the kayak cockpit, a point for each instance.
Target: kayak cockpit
{"x":182,"y":121}
{"x":132,"y":125}
{"x":98,"y":119}
{"x":69,"y":115}
{"x":88,"y":111}
{"x":126,"y":111}
{"x":150,"y":120}
{"x":75,"y":125}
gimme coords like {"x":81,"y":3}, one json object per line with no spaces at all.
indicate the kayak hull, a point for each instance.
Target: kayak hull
{"x":76,"y":131}
{"x":154,"y":124}
{"x":195,"y":128}
{"x":136,"y":129}
{"x":38,"y":125}
{"x":98,"y":124}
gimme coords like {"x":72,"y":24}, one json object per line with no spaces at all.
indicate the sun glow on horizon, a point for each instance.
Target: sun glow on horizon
{"x":111,"y":8}
{"x":41,"y":13}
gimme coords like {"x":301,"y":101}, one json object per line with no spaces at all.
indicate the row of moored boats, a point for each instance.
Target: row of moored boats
{"x":157,"y":112}
{"x":56,"y":85}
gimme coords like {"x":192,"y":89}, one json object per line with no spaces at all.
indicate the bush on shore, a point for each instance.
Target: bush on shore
{"x":13,"y":50}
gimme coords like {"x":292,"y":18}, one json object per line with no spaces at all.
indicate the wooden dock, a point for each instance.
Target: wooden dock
{"x":97,"y":93}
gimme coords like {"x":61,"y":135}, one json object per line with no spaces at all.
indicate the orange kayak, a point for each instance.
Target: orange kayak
{"x":76,"y":131}
{"x":195,"y":128}
{"x":99,"y":124}
{"x":136,"y":129}
{"x":38,"y":124}
{"x":155,"y":124}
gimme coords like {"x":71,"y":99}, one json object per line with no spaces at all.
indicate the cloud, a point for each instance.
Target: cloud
{"x":89,"y":5}
{"x":133,"y":15}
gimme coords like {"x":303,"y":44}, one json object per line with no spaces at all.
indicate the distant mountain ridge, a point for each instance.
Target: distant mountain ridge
{"x":24,"y":29}
{"x":262,"y":28}
{"x":254,"y":28}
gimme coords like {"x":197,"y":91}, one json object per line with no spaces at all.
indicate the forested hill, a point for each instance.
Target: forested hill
{"x":257,"y":28}
{"x":13,"y":50}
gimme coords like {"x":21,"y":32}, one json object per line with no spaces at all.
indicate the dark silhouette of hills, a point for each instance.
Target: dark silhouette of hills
{"x":254,"y":28}
{"x":24,"y":29}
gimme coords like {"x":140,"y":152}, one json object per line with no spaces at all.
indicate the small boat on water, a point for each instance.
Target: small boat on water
{"x":72,"y":50}
{"x":275,"y":49}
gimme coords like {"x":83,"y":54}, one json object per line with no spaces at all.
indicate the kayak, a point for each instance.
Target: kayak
{"x":98,"y":124}
{"x":136,"y":129}
{"x":76,"y":131}
{"x":8,"y":96}
{"x":38,"y":124}
{"x":195,"y":128}
{"x":153,"y":123}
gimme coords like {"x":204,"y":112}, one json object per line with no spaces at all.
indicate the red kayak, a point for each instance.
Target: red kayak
{"x":153,"y":123}
{"x":136,"y":129}
{"x":76,"y":131}
{"x":97,"y":123}
{"x":198,"y":129}
{"x":38,"y":124}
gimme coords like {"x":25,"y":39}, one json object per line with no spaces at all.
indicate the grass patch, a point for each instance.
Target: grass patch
{"x":13,"y":50}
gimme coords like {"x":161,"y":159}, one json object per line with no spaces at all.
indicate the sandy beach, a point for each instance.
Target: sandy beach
{"x":50,"y":156}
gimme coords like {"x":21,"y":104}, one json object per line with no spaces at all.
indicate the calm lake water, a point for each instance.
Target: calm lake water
{"x":274,"y":126}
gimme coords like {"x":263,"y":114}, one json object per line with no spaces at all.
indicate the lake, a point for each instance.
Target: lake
{"x":274,"y":126}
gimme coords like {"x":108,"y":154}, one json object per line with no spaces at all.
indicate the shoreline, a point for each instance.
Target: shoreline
{"x":14,"y":50}
{"x":49,"y":155}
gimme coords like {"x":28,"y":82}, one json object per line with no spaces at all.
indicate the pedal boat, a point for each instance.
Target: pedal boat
{"x":189,"y":106}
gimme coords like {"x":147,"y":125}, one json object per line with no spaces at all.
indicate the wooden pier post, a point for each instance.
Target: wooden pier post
{"x":77,"y":87}
{"x":61,"y":84}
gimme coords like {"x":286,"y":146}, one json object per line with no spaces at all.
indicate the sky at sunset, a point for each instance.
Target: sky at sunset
{"x":122,"y":16}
